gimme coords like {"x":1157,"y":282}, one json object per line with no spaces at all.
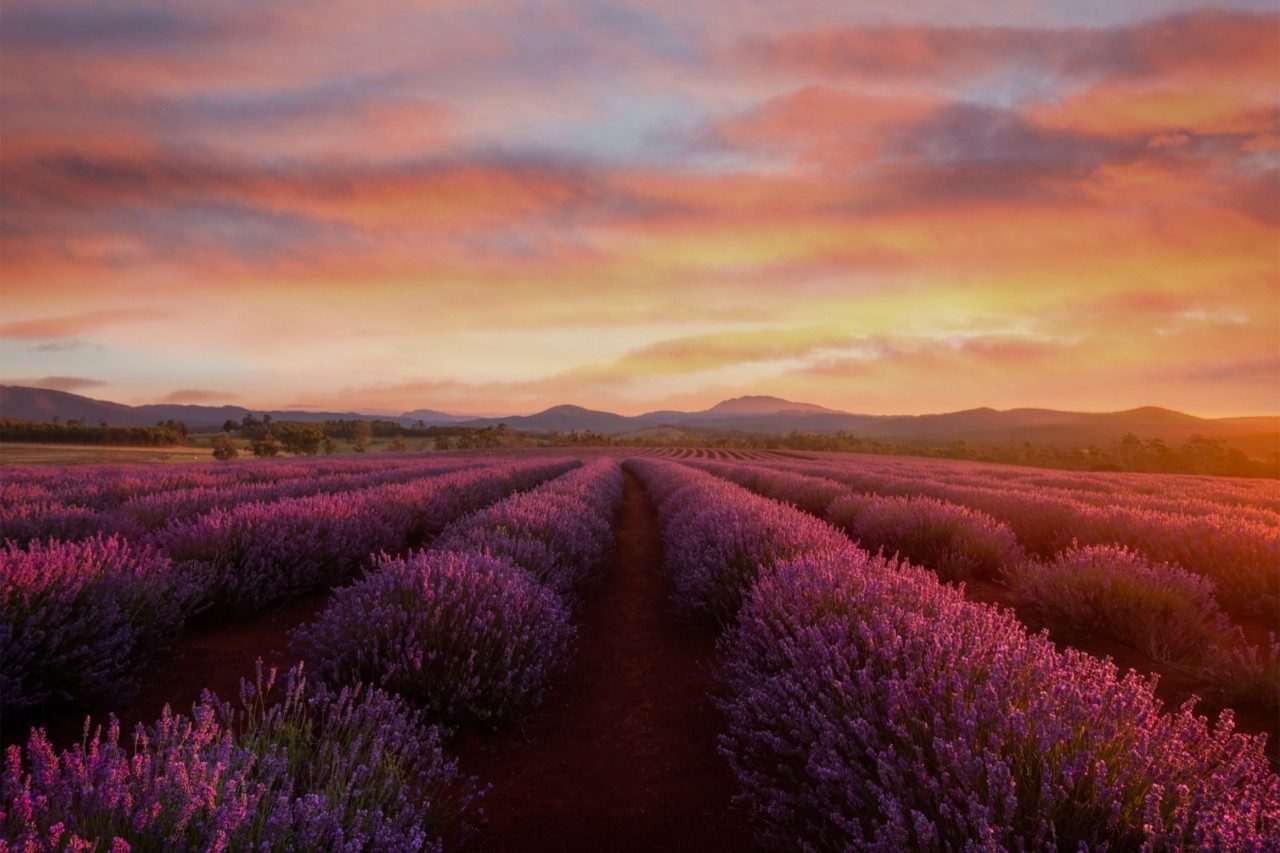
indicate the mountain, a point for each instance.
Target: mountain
{"x":754,"y":406}
{"x":43,"y":404}
{"x":1258,"y":436}
{"x":433,"y":418}
{"x":561,"y":419}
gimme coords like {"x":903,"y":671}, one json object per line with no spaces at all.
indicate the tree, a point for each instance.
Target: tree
{"x":264,"y":446}
{"x":363,"y":431}
{"x":224,"y":448}
{"x":398,"y":445}
{"x":330,"y":446}
{"x":231,"y":424}
{"x":300,"y":439}
{"x":1130,"y":451}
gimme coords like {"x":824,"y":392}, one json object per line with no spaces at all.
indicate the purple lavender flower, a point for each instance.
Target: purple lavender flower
{"x":464,"y":635}
{"x":78,"y":618}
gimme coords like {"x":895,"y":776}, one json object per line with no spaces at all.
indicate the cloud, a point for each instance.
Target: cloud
{"x":61,"y":383}
{"x":66,"y":345}
{"x":68,"y":325}
{"x":499,"y":206}
{"x":1213,"y":43}
{"x":1264,"y":371}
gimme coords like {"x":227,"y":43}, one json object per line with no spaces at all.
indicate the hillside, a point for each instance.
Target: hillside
{"x":1258,"y":436}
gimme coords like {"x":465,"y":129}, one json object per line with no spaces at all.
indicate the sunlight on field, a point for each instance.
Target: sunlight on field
{"x":13,"y":453}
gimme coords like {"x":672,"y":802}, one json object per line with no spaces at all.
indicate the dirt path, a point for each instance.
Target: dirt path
{"x":212,"y":656}
{"x":622,"y":755}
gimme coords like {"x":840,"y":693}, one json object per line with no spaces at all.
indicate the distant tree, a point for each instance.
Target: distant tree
{"x":299,"y":439}
{"x":224,"y":448}
{"x":266,"y":419}
{"x":419,"y":424}
{"x":398,"y":444}
{"x":330,"y":446}
{"x":1131,"y":452}
{"x":265,"y":445}
{"x":231,"y":425}
{"x":1203,"y":455}
{"x":248,"y":422}
{"x":361,"y":433}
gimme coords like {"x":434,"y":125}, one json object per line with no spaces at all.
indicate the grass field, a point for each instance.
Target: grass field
{"x":23,"y":453}
{"x":20,"y":453}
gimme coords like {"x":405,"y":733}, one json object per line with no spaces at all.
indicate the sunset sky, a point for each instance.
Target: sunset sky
{"x":895,"y":207}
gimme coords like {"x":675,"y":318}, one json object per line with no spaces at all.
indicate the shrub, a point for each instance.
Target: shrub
{"x":312,"y":769}
{"x":871,"y":707}
{"x":255,"y":554}
{"x":718,"y":537}
{"x":559,"y":532}
{"x":1240,"y":674}
{"x":1110,"y":591}
{"x":956,"y":542}
{"x":465,"y":635}
{"x":77,"y":618}
{"x":224,"y":448}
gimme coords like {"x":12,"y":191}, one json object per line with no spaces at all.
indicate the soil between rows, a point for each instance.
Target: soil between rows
{"x":622,"y":754}
{"x":205,"y":656}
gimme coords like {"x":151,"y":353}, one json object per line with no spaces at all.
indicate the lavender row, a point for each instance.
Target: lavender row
{"x":23,"y":522}
{"x":560,"y":532}
{"x":1229,"y":492}
{"x":259,"y":553}
{"x":1241,"y":557}
{"x":105,"y":486}
{"x":297,"y":766}
{"x":1094,"y":591}
{"x":1138,"y":491}
{"x":872,"y":706}
{"x":955,"y":542}
{"x":476,"y":627}
{"x":78,"y":618}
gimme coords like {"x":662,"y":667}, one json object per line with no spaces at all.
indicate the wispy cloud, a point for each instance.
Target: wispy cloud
{"x":61,"y":383}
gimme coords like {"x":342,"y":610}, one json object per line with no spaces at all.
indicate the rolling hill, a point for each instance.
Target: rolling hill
{"x":751,"y":414}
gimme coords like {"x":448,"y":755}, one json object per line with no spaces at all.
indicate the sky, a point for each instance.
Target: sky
{"x":495,"y":207}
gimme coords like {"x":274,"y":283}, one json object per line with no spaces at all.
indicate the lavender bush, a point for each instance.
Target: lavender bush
{"x":559,"y":532}
{"x":871,"y":707}
{"x":310,"y":769}
{"x":465,"y":635}
{"x":718,"y":537}
{"x":259,"y":553}
{"x":1110,"y":591}
{"x":1239,"y":673}
{"x":78,"y":618}
{"x":1240,"y":555}
{"x":956,"y":542}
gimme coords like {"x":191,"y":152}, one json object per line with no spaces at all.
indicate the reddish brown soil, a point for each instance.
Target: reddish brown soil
{"x":212,"y":656}
{"x":622,"y":755}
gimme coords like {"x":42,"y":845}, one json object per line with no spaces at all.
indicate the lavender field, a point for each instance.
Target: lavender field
{"x":900,"y":653}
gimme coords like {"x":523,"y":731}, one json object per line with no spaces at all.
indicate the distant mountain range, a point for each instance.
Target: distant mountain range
{"x":753,"y":414}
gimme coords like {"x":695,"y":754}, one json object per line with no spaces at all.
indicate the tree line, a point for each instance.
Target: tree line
{"x":75,"y":431}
